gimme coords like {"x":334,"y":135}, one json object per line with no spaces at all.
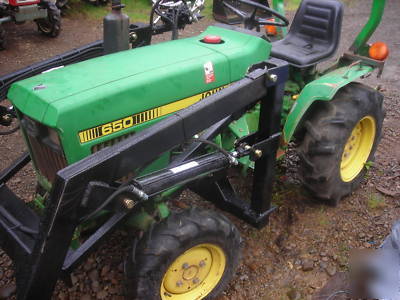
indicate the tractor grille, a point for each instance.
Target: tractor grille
{"x":47,"y":160}
{"x":111,"y":142}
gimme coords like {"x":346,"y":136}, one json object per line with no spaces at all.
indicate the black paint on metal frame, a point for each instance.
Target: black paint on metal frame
{"x":49,"y":258}
{"x":220,"y":190}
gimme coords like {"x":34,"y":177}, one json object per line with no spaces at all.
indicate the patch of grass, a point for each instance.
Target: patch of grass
{"x":292,"y":4}
{"x":254,"y":234}
{"x":343,"y":248}
{"x":322,"y":219}
{"x":137,"y":10}
{"x":376,"y":201}
{"x":277,"y":198}
{"x":207,"y":11}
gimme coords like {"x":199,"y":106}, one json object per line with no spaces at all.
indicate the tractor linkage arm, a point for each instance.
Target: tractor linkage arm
{"x":40,"y":245}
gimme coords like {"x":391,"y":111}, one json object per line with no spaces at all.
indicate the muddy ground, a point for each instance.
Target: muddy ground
{"x":306,"y":243}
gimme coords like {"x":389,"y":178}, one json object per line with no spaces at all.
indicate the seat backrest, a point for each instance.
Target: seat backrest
{"x":318,"y":19}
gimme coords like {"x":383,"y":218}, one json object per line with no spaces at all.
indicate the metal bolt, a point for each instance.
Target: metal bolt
{"x":132,"y":37}
{"x":258,"y":153}
{"x":129,"y":203}
{"x":202,"y":263}
{"x":233,"y":160}
{"x":196,"y":280}
{"x":185,"y":266}
{"x":273,"y":77}
{"x":179,"y":283}
{"x":247,"y":147}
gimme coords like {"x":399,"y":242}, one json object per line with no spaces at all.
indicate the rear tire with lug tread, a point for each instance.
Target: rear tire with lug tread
{"x":340,"y":137}
{"x":190,"y":255}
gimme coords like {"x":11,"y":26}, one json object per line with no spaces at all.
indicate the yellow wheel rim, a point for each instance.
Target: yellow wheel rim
{"x":194,"y":274}
{"x":358,"y":148}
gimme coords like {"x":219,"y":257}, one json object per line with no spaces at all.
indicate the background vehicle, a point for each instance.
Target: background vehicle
{"x":44,"y":13}
{"x":225,"y":89}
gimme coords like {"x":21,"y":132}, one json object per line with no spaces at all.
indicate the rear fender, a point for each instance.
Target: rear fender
{"x":321,"y":89}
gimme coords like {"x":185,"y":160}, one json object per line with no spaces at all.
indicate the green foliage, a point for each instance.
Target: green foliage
{"x":369,"y":164}
{"x":375,"y":201}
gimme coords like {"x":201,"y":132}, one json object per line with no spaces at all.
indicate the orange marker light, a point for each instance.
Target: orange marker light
{"x":270,"y":29}
{"x":378,"y":51}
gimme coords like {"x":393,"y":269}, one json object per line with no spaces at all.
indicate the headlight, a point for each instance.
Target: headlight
{"x":53,"y":137}
{"x":31,"y":127}
{"x":45,"y":134}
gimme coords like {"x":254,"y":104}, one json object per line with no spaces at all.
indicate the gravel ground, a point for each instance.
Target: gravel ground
{"x":306,"y":244}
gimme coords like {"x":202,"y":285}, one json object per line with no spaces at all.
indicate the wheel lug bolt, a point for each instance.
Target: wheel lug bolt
{"x":196,"y":280}
{"x":202,"y":263}
{"x":185,"y":266}
{"x":179,"y":283}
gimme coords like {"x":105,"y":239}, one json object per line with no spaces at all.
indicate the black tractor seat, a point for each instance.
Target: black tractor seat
{"x":314,"y":34}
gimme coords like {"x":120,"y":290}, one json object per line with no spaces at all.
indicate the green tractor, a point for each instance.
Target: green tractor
{"x":114,"y":137}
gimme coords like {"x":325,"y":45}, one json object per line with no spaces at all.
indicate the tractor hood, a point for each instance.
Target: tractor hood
{"x":109,"y":87}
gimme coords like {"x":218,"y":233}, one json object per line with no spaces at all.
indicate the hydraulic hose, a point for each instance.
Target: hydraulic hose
{"x":131,"y":189}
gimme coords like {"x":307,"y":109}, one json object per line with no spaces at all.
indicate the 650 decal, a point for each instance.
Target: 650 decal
{"x":117,"y":125}
{"x":136,"y":119}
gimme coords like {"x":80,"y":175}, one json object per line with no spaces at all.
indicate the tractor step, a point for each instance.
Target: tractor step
{"x":19,"y":225}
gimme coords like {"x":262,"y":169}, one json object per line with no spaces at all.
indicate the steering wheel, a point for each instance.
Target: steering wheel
{"x":251,"y":21}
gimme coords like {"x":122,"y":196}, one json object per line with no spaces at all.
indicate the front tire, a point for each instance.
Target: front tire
{"x":50,"y":26}
{"x":341,"y":137}
{"x":190,"y":255}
